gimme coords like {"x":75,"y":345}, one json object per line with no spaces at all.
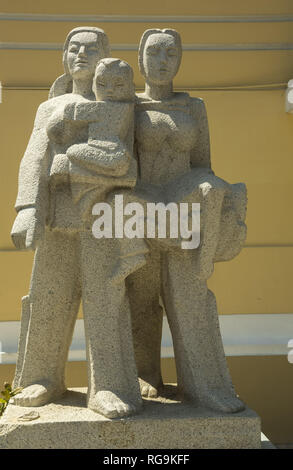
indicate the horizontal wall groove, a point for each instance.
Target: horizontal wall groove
{"x":247,"y":87}
{"x":147,"y":18}
{"x":43,"y":46}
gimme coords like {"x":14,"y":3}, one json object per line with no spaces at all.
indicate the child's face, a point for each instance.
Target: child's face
{"x":113,"y":84}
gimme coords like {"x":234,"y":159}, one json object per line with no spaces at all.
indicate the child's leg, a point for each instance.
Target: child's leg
{"x":132,"y":251}
{"x":208,"y":190}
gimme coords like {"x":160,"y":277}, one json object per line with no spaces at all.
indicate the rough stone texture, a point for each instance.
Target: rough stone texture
{"x":81,"y":152}
{"x":173,"y":153}
{"x":70,"y":263}
{"x":163,"y":424}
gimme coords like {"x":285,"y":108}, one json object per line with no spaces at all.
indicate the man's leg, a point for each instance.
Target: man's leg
{"x":50,"y":313}
{"x":113,"y":382}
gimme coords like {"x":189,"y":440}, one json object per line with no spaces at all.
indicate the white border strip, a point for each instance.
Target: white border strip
{"x":243,"y":335}
{"x":146,"y":18}
{"x":51,"y":46}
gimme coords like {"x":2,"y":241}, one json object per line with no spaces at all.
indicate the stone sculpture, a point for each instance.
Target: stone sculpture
{"x":172,"y":141}
{"x":69,"y":262}
{"x":81,"y":152}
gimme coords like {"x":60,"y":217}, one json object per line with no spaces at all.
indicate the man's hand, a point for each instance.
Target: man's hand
{"x":26,"y":230}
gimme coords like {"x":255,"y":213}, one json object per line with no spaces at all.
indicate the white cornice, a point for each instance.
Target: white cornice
{"x":243,"y":335}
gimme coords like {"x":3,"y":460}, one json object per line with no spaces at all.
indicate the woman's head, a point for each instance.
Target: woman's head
{"x":113,"y":81}
{"x":83,"y":48}
{"x":159,"y":55}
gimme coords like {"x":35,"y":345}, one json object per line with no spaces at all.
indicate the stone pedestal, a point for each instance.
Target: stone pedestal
{"x":164,"y":423}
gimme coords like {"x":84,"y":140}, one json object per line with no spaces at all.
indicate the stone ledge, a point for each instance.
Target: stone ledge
{"x":164,"y":423}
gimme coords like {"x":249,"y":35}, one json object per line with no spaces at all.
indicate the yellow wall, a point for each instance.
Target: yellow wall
{"x":251,"y":139}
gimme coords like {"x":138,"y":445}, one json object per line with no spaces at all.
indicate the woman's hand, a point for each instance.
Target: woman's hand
{"x":26,"y":230}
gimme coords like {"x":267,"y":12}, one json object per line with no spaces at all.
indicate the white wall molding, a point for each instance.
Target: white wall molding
{"x":243,"y":335}
{"x":147,"y":18}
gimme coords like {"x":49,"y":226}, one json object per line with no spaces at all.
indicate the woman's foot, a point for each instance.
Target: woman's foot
{"x":150,"y":387}
{"x":37,"y":395}
{"x":222,"y":401}
{"x":148,"y":390}
{"x":111,"y":406}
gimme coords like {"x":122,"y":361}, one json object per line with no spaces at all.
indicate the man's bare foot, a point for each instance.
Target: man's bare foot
{"x":37,"y":395}
{"x":110,"y":405}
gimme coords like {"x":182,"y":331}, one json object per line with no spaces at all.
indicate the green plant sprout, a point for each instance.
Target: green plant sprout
{"x":7,"y":393}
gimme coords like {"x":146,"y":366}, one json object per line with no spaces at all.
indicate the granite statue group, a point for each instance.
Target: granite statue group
{"x":92,"y":139}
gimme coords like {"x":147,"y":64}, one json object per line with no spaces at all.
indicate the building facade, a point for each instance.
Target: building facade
{"x":238,"y":57}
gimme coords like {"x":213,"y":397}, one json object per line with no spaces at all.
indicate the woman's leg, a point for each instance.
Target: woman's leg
{"x":144,"y":292}
{"x":202,"y":370}
{"x":49,"y":314}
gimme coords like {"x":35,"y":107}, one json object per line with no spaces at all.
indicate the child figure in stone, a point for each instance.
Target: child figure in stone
{"x":105,"y":162}
{"x":110,"y":131}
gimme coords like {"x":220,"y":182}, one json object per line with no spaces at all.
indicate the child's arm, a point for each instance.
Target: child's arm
{"x":90,"y":111}
{"x":110,"y":146}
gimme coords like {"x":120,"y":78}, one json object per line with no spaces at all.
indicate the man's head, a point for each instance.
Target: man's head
{"x":83,"y":49}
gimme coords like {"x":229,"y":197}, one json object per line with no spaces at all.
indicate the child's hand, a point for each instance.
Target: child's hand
{"x":69,"y":112}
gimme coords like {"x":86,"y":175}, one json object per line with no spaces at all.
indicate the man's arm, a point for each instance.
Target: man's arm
{"x":33,"y":194}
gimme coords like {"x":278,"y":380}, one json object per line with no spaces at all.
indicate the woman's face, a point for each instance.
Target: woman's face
{"x":84,"y":52}
{"x":160,"y":58}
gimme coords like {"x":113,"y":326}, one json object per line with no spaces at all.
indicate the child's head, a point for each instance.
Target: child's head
{"x":113,"y":81}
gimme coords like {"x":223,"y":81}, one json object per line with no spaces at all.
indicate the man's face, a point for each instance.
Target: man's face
{"x":84,"y":52}
{"x":112,"y":83}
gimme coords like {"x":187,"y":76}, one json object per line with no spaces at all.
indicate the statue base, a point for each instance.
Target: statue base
{"x":163,"y":423}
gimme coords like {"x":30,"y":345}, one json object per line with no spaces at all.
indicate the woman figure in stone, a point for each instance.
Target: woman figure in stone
{"x":69,"y":263}
{"x":172,"y":142}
